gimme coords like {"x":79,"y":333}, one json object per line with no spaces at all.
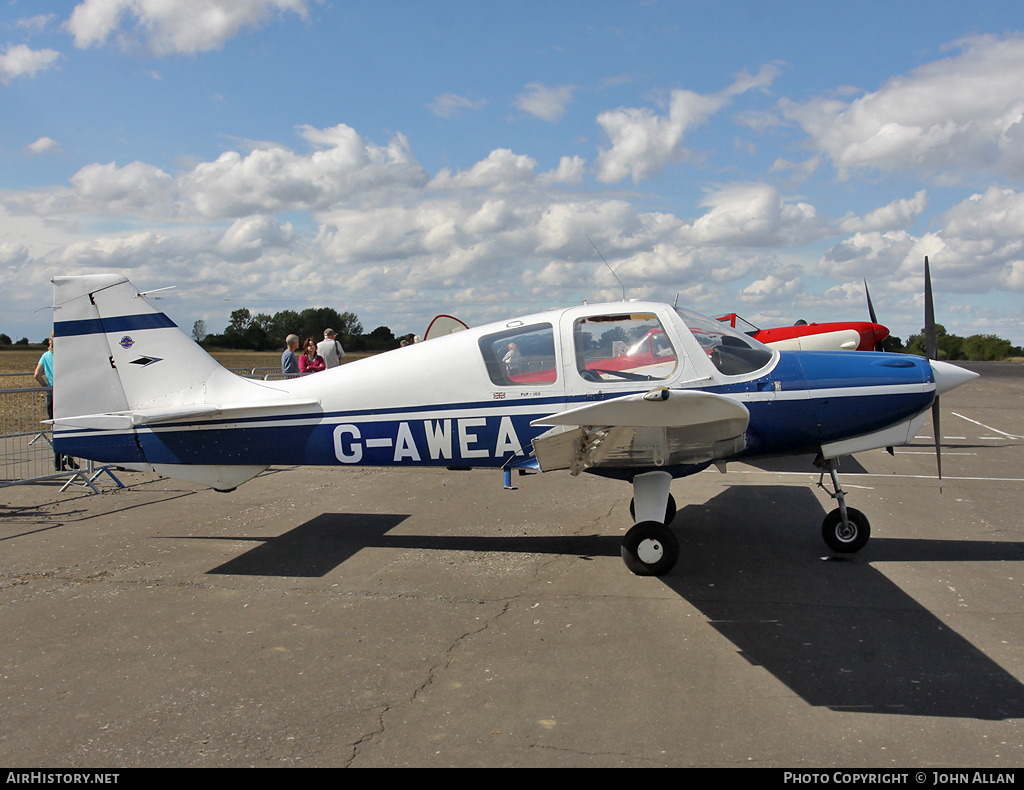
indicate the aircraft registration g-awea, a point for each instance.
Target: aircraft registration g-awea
{"x":572,"y":389}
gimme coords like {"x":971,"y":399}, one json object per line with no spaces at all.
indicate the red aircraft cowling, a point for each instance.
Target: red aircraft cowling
{"x":838,"y":335}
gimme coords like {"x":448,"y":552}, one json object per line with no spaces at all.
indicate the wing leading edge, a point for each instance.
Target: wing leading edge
{"x":659,"y":428}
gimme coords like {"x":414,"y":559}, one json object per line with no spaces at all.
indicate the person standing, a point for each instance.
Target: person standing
{"x":289,"y":364}
{"x":309,"y":360}
{"x":44,"y":377}
{"x":330,"y":349}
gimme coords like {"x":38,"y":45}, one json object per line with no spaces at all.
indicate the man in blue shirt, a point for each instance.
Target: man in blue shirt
{"x":289,"y":364}
{"x":44,"y":374}
{"x":44,"y":377}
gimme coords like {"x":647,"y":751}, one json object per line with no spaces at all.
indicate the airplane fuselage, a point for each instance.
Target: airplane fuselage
{"x":438,"y":403}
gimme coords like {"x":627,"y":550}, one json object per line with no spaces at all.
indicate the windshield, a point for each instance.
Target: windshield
{"x":732,"y":352}
{"x":740,"y":323}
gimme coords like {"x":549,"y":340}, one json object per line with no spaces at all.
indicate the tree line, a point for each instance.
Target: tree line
{"x":5,"y":340}
{"x":976,"y":348}
{"x":263,"y":332}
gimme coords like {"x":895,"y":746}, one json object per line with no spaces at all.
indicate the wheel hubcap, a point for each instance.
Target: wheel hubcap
{"x":650,"y":551}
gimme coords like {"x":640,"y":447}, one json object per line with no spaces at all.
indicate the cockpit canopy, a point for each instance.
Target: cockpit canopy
{"x":628,"y":344}
{"x":732,"y":352}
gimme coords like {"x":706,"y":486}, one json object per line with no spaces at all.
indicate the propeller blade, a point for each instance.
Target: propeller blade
{"x":871,"y":310}
{"x":874,"y":319}
{"x":932,"y":350}
{"x":930,"y":342}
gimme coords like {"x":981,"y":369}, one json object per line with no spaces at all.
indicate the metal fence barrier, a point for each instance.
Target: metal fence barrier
{"x":26,"y":444}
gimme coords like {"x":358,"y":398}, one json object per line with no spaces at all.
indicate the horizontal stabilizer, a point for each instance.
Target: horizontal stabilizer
{"x":126,"y":420}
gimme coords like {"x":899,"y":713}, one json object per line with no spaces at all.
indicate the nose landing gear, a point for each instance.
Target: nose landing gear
{"x":845,"y":530}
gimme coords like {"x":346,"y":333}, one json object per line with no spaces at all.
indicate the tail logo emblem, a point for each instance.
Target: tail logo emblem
{"x":126,"y":342}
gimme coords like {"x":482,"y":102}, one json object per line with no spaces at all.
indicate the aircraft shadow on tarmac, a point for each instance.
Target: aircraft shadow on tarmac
{"x":839,"y":633}
{"x":315,"y":548}
{"x":836,"y":631}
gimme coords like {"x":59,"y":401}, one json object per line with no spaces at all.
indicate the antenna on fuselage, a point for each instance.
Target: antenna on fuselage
{"x":609,"y":268}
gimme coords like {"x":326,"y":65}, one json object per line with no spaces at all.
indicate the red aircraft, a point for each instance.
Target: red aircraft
{"x":838,"y":336}
{"x":835,"y":336}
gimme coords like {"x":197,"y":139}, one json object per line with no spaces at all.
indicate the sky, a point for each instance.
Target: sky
{"x":405,"y":158}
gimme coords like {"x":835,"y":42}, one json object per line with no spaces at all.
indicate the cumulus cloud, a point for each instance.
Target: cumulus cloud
{"x":42,"y":145}
{"x":135,"y":189}
{"x":570,"y":170}
{"x":642,"y":141}
{"x":12,"y":254}
{"x":874,"y":254}
{"x":20,"y":60}
{"x":771,"y":289}
{"x":897,"y":214}
{"x":277,"y":179}
{"x":165,"y":28}
{"x":249,"y":238}
{"x":545,"y":102}
{"x":271,"y":179}
{"x":976,"y":248}
{"x":501,"y":168}
{"x":753,"y":215}
{"x":945,"y":117}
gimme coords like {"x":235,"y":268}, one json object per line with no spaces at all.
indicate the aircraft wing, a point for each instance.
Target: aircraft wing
{"x":659,"y":428}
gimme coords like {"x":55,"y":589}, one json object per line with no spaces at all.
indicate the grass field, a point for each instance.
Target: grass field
{"x":24,"y":361}
{"x":18,"y":410}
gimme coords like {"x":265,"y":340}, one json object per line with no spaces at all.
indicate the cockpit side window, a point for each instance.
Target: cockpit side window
{"x":623,"y":347}
{"x":732,"y":352}
{"x":522,"y":355}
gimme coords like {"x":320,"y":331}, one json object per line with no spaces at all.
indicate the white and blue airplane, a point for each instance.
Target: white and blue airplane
{"x":638,"y":391}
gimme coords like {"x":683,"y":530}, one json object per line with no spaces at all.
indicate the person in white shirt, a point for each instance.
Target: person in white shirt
{"x":330,"y":349}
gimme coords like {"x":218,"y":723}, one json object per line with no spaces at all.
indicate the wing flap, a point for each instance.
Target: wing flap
{"x":660,"y":428}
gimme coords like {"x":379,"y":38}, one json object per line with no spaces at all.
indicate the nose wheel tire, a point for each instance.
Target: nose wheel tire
{"x":846,"y":538}
{"x":650,"y":549}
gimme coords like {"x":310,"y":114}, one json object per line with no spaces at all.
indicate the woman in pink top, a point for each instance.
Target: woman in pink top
{"x":309,"y":360}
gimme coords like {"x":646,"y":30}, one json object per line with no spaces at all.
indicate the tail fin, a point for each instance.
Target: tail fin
{"x":121,"y":366}
{"x":115,"y":352}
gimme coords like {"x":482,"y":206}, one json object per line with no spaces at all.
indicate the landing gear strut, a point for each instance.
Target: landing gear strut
{"x":845,"y":530}
{"x":650,"y":548}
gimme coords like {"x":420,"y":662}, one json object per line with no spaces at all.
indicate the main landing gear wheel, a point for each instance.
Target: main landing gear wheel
{"x":849,"y":537}
{"x":670,"y":509}
{"x":650,"y":549}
